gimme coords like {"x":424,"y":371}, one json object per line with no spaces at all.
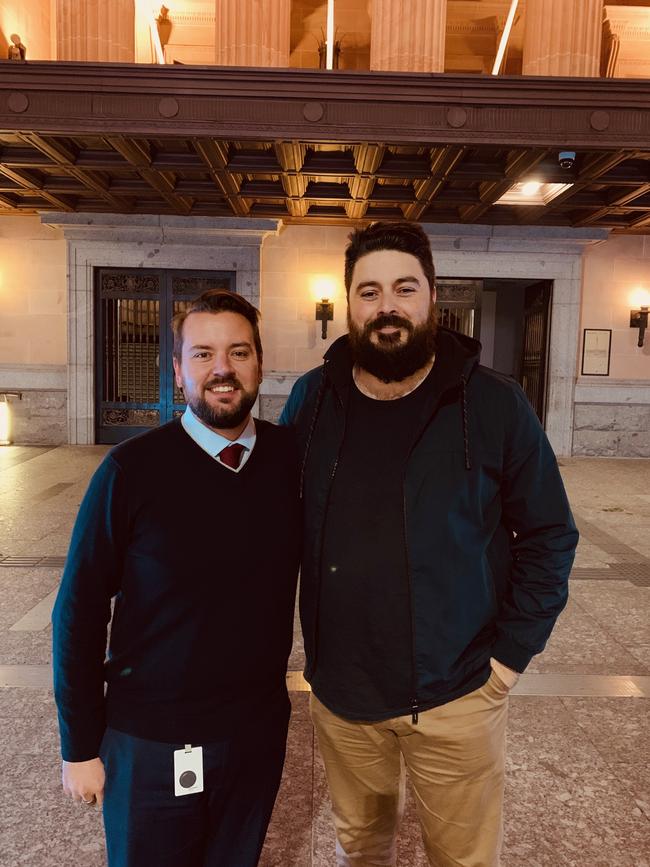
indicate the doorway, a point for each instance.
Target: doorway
{"x":511,"y":318}
{"x":135,"y":387}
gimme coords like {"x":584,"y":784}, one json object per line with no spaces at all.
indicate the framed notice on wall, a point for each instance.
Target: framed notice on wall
{"x":596,"y":351}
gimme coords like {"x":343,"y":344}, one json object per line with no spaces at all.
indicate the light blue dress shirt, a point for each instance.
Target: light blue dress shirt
{"x":213,"y":443}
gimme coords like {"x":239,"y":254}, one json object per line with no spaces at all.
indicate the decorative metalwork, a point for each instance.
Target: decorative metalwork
{"x":195,"y":286}
{"x":130,"y":417}
{"x":458,"y":291}
{"x":119,"y":283}
{"x":130,"y":350}
{"x":136,"y":386}
{"x":178,"y":395}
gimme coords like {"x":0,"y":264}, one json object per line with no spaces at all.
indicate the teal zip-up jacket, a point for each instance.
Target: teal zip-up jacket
{"x":488,"y":533}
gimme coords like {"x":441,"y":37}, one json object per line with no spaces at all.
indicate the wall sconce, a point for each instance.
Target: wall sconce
{"x":639,"y":319}
{"x":324,"y":314}
{"x":5,"y":416}
{"x":640,"y":304}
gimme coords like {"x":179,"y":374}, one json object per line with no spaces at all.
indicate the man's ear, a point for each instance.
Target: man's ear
{"x":177,"y":372}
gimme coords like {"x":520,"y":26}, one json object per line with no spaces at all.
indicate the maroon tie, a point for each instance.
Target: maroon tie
{"x":231,"y":455}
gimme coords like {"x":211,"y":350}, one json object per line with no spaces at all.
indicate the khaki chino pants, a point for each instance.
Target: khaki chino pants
{"x":455,"y":758}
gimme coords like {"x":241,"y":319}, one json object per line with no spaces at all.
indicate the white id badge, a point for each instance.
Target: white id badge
{"x":188,"y":770}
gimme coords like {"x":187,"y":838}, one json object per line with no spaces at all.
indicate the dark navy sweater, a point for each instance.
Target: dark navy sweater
{"x":202,"y":565}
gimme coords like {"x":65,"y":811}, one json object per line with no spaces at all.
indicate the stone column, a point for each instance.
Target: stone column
{"x":408,"y":35}
{"x":562,"y":37}
{"x":252,"y":32}
{"x":96,"y":30}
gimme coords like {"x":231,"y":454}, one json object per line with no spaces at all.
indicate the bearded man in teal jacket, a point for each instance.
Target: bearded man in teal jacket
{"x":437,"y":550}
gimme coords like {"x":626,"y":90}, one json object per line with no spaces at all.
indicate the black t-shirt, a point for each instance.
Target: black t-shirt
{"x":364,"y":662}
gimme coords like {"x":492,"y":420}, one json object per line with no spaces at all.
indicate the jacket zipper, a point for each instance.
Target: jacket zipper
{"x":415,"y":703}
{"x":322,"y":538}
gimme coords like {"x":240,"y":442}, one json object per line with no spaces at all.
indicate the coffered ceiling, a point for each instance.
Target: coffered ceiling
{"x":313,"y":147}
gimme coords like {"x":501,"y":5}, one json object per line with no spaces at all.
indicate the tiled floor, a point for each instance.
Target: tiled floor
{"x":578,"y":779}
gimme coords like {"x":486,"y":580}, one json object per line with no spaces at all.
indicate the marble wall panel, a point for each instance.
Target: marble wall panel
{"x":611,"y":443}
{"x":40,"y":418}
{"x":271,"y":407}
{"x":612,"y":417}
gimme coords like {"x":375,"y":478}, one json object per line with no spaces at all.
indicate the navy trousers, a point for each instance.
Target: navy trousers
{"x":223,"y":826}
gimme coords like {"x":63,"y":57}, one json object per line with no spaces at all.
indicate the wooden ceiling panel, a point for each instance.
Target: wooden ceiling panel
{"x":318,"y":181}
{"x":299,"y":180}
{"x":319,"y":147}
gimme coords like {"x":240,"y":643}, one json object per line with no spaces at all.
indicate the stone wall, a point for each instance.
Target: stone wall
{"x":40,"y":418}
{"x":274,"y":392}
{"x":614,"y":430}
{"x":271,"y":407}
{"x":612,"y":419}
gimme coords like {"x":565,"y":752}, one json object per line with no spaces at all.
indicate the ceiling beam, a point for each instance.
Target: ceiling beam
{"x":65,"y":158}
{"x":54,"y":149}
{"x":215,"y":156}
{"x":29,"y":182}
{"x":612,"y":206}
{"x":137,"y":154}
{"x":291,"y":156}
{"x":640,"y":222}
{"x":443,"y":162}
{"x":367,"y":159}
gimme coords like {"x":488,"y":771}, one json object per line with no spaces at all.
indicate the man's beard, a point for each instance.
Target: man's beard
{"x":388,"y":359}
{"x":223,"y":418}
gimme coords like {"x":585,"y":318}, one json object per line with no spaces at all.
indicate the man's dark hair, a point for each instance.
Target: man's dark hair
{"x":405,"y":237}
{"x":217,"y":301}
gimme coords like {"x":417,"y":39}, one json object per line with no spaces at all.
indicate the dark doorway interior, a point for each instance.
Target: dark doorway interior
{"x":135,"y":387}
{"x":511,"y":318}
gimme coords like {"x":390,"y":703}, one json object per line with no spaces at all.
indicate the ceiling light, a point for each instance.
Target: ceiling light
{"x":532,"y":193}
{"x":530,"y":188}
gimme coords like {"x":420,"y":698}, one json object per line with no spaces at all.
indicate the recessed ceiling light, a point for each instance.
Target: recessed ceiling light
{"x":532,"y":193}
{"x":530,"y":188}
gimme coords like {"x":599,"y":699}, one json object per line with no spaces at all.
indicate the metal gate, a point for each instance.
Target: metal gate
{"x":134,"y":376}
{"x":459,"y":305}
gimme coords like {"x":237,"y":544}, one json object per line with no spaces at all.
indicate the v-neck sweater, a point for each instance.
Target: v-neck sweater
{"x":202,"y":565}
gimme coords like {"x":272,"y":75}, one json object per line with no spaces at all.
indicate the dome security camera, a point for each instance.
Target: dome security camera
{"x":567,"y":159}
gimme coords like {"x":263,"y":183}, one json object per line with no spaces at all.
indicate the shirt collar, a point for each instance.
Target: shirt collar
{"x":211,"y":441}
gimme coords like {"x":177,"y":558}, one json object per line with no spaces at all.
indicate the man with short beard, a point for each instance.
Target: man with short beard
{"x":438,"y":543}
{"x":193,"y":530}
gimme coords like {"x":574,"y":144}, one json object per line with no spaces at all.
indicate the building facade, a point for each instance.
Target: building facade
{"x":146,"y":155}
